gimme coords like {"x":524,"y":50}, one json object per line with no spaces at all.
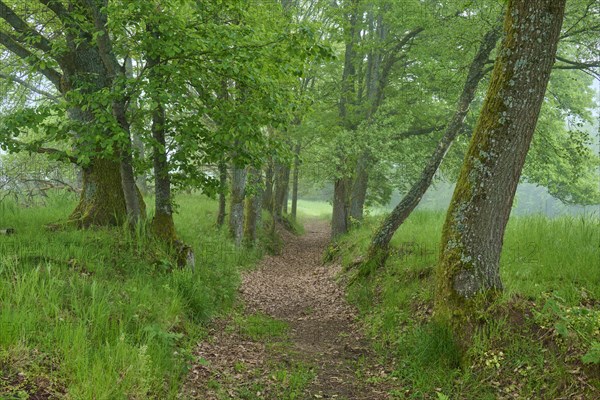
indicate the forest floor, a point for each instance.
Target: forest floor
{"x":294,"y":337}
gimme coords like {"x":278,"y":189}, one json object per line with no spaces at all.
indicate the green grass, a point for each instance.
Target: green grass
{"x":314,"y":209}
{"x":98,"y":314}
{"x":547,"y":319}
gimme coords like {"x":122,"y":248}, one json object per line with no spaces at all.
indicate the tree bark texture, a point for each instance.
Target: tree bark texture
{"x":468,"y":275}
{"x":282,"y":179}
{"x":253,"y":208}
{"x":236,"y":208}
{"x":267,"y":202}
{"x":163,"y":225}
{"x":341,"y":204}
{"x":222,"y":193}
{"x":359,"y":187}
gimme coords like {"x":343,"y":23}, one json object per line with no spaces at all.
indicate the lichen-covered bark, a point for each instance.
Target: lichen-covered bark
{"x":267,"y":202}
{"x":236,"y":210}
{"x":359,"y":187}
{"x":222,"y":193}
{"x":128,"y":181}
{"x":379,"y":248}
{"x":162,"y":224}
{"x":468,"y":271}
{"x":341,"y":204}
{"x":282,"y":180}
{"x":253,"y":208}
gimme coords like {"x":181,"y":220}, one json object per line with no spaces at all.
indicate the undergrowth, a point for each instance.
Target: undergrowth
{"x":105,"y":313}
{"x":541,"y":340}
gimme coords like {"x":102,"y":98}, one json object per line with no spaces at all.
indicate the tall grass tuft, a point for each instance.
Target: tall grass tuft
{"x":104,"y":313}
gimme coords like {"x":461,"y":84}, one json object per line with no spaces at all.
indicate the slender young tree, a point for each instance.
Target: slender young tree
{"x":468,"y":276}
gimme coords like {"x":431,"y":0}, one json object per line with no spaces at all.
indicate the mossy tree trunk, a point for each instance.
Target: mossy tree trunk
{"x":341,"y":204}
{"x":267,"y":202}
{"x":359,"y":187}
{"x":379,"y":247}
{"x":87,"y":66}
{"x":253,"y":207}
{"x":162,"y":224}
{"x":468,"y":276}
{"x":282,"y":179}
{"x":222,"y":193}
{"x":102,"y":201}
{"x":236,"y":208}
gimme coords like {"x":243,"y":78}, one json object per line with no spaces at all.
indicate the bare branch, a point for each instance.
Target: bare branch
{"x":31,"y":87}
{"x":28,"y":34}
{"x":30,"y":58}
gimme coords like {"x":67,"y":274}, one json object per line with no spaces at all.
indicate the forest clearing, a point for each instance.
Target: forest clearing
{"x":299,"y":199}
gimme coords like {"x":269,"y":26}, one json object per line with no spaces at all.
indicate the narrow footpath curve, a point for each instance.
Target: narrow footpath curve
{"x":323,"y":337}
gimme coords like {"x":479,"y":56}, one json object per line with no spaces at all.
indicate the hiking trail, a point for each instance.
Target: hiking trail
{"x":323,"y":353}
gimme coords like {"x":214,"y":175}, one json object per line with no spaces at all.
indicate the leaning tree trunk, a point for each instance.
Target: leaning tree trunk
{"x":253,"y":208}
{"x":236,"y":210}
{"x":468,"y":276}
{"x":295,"y":180}
{"x":379,"y":248}
{"x":359,"y":187}
{"x":222,"y":193}
{"x":339,"y":218}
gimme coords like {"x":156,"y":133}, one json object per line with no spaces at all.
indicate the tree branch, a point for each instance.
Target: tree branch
{"x":30,"y":58}
{"x":575,"y":64}
{"x":28,"y":34}
{"x":31,"y":87}
{"x":58,"y":9}
{"x":418,"y":132}
{"x":59,"y":155}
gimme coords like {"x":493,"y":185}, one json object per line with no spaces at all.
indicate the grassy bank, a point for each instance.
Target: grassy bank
{"x":99,"y":314}
{"x":542,"y":340}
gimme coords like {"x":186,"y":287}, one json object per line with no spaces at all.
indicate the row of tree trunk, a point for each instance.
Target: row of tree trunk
{"x":252,"y":190}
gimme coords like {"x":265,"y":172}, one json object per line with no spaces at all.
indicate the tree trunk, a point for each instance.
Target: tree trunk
{"x":468,"y":276}
{"x":253,"y":208}
{"x":339,"y":218}
{"x":136,"y":140}
{"x":267,"y":202}
{"x":379,"y":248}
{"x":295,"y":180}
{"x":130,"y":190}
{"x":142,"y":177}
{"x":286,"y":196}
{"x":359,"y":187}
{"x":282,"y":179}
{"x":222,"y":193}
{"x":102,"y":201}
{"x":236,"y":210}
{"x":162,"y":225}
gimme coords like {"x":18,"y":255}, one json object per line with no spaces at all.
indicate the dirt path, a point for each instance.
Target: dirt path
{"x":322,"y":354}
